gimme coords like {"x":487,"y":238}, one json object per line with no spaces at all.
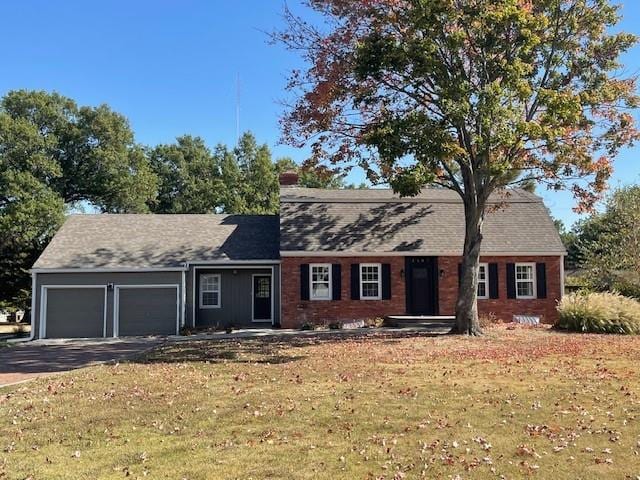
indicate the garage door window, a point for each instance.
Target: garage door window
{"x":210,"y":291}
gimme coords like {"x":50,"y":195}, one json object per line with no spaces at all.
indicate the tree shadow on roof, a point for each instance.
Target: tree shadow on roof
{"x":309,"y":226}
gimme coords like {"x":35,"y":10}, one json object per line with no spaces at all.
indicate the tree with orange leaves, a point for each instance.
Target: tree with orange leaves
{"x":470,"y":95}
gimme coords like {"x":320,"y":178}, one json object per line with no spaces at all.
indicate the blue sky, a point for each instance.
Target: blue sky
{"x":171,"y":67}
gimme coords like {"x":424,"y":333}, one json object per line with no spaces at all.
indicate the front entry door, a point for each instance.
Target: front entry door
{"x":262,"y":298}
{"x":422,"y":285}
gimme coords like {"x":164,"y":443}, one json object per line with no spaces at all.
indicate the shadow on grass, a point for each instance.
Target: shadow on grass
{"x":273,"y":349}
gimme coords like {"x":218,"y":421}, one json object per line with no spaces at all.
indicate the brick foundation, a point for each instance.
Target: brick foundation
{"x":295,"y":311}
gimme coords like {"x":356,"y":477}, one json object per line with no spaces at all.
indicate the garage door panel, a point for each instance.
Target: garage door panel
{"x":75,"y":313}
{"x":147,"y":311}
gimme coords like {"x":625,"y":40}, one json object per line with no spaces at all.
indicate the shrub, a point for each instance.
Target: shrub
{"x":599,"y":313}
{"x":488,"y":320}
{"x":376,"y":322}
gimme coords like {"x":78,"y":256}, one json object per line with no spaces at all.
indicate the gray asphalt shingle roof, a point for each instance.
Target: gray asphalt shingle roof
{"x":152,"y":241}
{"x":311,"y":220}
{"x":378,"y":221}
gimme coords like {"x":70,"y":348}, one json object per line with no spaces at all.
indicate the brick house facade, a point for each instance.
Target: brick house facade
{"x":411,"y":248}
{"x":296,"y":311}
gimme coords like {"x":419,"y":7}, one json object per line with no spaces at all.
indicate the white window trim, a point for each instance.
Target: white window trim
{"x":485,"y":281}
{"x":201,"y":291}
{"x":253,"y":298}
{"x":330,"y":295}
{"x":533,"y":280}
{"x":379,"y":267}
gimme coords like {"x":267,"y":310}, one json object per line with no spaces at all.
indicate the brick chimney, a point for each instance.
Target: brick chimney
{"x":288,"y":178}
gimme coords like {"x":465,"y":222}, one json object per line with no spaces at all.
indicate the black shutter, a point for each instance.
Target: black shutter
{"x":355,"y":281}
{"x":386,"y":281}
{"x":459,"y":275}
{"x":493,"y":281}
{"x":336,"y":281}
{"x":511,"y":280}
{"x":304,"y":281}
{"x":541,"y":280}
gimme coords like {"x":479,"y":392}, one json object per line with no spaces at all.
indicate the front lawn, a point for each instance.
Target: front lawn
{"x":515,"y":403}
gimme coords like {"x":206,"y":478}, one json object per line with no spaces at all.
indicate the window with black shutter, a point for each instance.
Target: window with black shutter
{"x":511,"y":280}
{"x":541,"y":280}
{"x":386,"y":281}
{"x":304,"y":281}
{"x":355,"y":281}
{"x":336,"y":277}
{"x":494,"y":291}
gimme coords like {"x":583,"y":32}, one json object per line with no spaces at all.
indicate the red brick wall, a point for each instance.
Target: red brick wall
{"x":295,"y":311}
{"x":504,"y":308}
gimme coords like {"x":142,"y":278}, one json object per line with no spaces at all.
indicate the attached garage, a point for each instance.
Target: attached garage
{"x":147,"y":310}
{"x":135,"y":275}
{"x":78,"y":311}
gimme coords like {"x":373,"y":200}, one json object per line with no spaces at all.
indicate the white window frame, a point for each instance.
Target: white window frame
{"x":532,"y":280}
{"x":482,"y":265}
{"x":362,"y":282}
{"x":201,"y":291}
{"x":311,"y":281}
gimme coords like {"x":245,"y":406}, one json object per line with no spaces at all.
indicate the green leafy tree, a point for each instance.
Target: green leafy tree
{"x":232,"y":198}
{"x":55,"y":154}
{"x":261,"y":188}
{"x":249,"y":177}
{"x":93,"y":148}
{"x":470,"y":95}
{"x":609,"y":244}
{"x":189,"y":178}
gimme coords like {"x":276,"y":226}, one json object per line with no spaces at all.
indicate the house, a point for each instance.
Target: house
{"x":330,"y":256}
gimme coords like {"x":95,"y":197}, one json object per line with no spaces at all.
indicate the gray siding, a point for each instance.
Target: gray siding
{"x":236,"y":296}
{"x":236,"y":299}
{"x":115,"y":278}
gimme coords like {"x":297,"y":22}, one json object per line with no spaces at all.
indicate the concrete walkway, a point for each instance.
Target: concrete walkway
{"x":433,"y":328}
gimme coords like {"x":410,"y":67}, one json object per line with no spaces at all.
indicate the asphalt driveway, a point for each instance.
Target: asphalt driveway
{"x":24,"y":361}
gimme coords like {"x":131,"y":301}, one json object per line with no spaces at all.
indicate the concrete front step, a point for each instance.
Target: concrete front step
{"x":420,"y":321}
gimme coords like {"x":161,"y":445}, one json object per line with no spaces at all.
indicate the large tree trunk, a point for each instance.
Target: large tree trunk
{"x":467,"y":305}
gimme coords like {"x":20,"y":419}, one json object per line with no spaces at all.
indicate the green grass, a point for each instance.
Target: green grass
{"x":525,"y":402}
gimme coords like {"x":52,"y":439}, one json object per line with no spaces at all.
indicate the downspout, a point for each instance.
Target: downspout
{"x":562,"y":280}
{"x":184,"y":296}
{"x":32,"y":313}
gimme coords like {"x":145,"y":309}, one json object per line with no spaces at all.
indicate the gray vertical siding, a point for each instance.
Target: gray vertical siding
{"x":236,"y":296}
{"x":236,"y":300}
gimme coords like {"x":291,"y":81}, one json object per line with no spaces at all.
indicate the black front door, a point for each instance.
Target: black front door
{"x":422,"y":285}
{"x":262,"y":298}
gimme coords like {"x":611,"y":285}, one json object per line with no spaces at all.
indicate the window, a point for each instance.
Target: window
{"x":370,"y":287}
{"x":525,"y":280}
{"x":263,"y":287}
{"x":320,"y":281}
{"x":210,"y":291}
{"x":483,"y":281}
